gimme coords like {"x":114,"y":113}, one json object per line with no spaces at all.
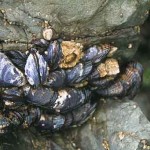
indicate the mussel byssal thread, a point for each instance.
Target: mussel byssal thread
{"x":53,"y":86}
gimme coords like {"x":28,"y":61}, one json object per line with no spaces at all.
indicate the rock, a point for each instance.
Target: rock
{"x":26,"y":140}
{"x":47,"y":33}
{"x":76,"y":17}
{"x":92,"y":21}
{"x":118,"y":126}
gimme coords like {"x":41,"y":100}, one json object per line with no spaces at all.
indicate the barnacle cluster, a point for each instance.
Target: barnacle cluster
{"x":53,"y":86}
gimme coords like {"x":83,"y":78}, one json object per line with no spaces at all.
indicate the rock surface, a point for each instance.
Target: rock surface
{"x":117,"y":125}
{"x":90,"y":22}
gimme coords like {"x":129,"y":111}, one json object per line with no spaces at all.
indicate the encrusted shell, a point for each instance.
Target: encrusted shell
{"x":72,"y":52}
{"x":108,"y":68}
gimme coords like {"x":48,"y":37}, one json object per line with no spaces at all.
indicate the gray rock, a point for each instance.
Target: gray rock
{"x":101,"y":21}
{"x":76,"y":17}
{"x":122,"y":124}
{"x":26,"y":140}
{"x":117,"y":125}
{"x":126,"y":125}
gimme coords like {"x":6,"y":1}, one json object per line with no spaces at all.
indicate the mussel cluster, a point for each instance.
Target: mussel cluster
{"x":56,"y":84}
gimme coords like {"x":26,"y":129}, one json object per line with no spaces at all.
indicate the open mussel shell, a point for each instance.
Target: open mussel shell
{"x":72,"y":53}
{"x":36,"y":69}
{"x":9,"y":74}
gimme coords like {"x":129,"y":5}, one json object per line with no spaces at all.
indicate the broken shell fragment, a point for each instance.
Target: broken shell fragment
{"x":113,"y":49}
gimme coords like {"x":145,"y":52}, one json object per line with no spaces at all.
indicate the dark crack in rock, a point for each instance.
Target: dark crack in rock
{"x":90,"y":22}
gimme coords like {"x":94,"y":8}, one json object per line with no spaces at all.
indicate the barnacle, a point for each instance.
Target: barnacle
{"x":108,"y":68}
{"x":127,"y":84}
{"x":51,"y":88}
{"x":72,"y":53}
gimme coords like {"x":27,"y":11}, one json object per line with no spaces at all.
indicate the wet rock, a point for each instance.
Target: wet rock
{"x":91,"y":21}
{"x":75,"y":17}
{"x":26,"y":140}
{"x":117,"y":126}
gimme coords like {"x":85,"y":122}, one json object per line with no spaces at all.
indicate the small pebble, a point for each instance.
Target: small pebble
{"x":130,"y":46}
{"x":47,"y":33}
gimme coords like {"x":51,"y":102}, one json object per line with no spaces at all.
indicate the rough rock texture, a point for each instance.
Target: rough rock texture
{"x":113,"y":21}
{"x":116,"y":125}
{"x":26,"y":140}
{"x":128,"y":128}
